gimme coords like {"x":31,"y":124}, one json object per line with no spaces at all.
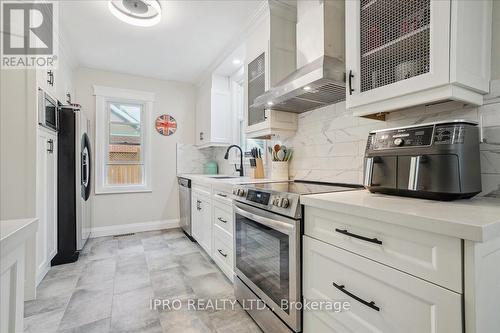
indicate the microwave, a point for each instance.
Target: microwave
{"x":48,"y":111}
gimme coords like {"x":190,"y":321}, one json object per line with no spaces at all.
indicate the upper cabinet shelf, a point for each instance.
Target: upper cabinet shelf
{"x":402,"y":53}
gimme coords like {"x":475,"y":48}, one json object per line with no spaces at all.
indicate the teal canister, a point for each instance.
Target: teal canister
{"x":210,"y":168}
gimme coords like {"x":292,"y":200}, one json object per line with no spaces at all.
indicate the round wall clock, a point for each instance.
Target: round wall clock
{"x":166,"y":124}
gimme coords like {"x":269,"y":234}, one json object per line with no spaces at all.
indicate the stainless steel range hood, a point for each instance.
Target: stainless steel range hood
{"x":319,"y":83}
{"x":320,"y":78}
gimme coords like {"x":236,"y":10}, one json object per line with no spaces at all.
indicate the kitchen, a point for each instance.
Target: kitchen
{"x":251,"y":166}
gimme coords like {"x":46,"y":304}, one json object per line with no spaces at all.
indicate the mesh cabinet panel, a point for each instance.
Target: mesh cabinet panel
{"x":256,"y":87}
{"x":394,"y":41}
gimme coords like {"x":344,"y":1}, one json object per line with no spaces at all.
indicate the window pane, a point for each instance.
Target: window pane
{"x":124,"y":165}
{"x":124,"y":153}
{"x":124,"y":174}
{"x":125,"y":113}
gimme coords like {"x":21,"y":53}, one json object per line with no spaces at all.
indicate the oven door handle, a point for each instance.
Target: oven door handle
{"x":280,"y":226}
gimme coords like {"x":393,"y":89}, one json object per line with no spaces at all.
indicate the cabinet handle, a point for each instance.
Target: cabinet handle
{"x":201,"y":136}
{"x":371,"y":240}
{"x":351,"y":76}
{"x":222,"y":195}
{"x":222,"y":253}
{"x":362,"y":301}
{"x":50,"y":79}
{"x":221,"y":219}
{"x":51,"y":146}
{"x":198,"y":204}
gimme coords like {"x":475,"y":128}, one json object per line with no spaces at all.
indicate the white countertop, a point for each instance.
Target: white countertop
{"x":232,"y":181}
{"x":476,"y":219}
{"x":13,"y":232}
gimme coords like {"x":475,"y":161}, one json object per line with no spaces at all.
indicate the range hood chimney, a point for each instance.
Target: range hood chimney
{"x":320,"y":77}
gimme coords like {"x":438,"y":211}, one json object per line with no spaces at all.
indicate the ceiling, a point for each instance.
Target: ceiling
{"x":185,"y":43}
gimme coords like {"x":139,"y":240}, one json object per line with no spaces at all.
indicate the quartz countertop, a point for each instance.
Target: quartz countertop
{"x":476,"y":219}
{"x":13,"y":232}
{"x":234,"y":180}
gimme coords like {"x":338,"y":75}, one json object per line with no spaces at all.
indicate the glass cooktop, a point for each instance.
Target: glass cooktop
{"x":302,"y":187}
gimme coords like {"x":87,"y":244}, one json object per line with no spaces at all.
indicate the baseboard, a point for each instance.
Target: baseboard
{"x":120,"y":229}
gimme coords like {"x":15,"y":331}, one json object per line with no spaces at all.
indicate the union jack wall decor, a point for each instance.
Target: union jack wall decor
{"x":166,"y":124}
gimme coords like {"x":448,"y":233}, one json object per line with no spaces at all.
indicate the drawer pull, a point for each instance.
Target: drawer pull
{"x":221,"y":219}
{"x":371,"y":240}
{"x":362,"y":301}
{"x":222,"y":195}
{"x":222,"y":253}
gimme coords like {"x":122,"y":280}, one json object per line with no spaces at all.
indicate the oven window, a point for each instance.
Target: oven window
{"x":50,"y":114}
{"x":262,"y":255}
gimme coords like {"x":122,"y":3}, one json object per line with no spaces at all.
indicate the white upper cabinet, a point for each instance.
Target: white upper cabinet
{"x":405,"y":53}
{"x":270,"y":57}
{"x":213,"y":113}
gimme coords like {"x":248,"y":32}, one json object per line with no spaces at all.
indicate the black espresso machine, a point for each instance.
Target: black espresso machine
{"x":437,"y":161}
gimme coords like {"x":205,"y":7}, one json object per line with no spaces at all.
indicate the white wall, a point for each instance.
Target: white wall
{"x":174,"y":98}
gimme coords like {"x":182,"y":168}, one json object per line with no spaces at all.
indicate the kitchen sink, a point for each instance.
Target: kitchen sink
{"x":224,"y":177}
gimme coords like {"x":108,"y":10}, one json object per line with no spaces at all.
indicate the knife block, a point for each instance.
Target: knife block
{"x":258,"y":171}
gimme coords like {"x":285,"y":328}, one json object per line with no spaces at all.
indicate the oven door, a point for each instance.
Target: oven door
{"x":267,"y":259}
{"x":51,"y":113}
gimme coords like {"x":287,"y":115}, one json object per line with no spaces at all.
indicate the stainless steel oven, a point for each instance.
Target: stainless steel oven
{"x":48,"y":111}
{"x":267,"y":262}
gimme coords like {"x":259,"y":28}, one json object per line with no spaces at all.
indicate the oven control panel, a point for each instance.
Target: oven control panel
{"x":281,"y":202}
{"x":259,"y":197}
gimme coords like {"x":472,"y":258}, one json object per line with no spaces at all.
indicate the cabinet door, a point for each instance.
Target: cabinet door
{"x":195,"y":216}
{"x":394,"y":48}
{"x":42,"y":202}
{"x":51,"y":194}
{"x":206,"y":225}
{"x":256,"y":71}
{"x":382,"y":299}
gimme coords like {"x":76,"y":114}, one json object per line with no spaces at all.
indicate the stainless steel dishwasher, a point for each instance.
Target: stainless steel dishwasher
{"x":185,"y":205}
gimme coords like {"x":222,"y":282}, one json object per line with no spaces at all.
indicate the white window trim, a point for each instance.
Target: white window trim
{"x":103,"y":95}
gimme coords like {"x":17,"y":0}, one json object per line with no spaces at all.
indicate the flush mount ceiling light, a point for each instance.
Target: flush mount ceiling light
{"x":142,"y":13}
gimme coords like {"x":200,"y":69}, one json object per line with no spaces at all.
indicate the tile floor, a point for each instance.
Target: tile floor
{"x":109,"y":289}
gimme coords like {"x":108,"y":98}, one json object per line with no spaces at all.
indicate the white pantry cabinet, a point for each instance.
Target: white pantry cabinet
{"x":213,"y":113}
{"x":46,"y":203}
{"x":406,"y":53}
{"x":270,"y":57}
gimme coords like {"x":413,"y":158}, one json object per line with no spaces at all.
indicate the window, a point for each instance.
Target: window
{"x":122,"y":140}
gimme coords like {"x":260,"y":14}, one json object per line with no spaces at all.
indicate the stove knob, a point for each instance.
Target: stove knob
{"x":241,"y":192}
{"x":285,"y":203}
{"x":235,"y":191}
{"x":399,"y":142}
{"x":276,"y":202}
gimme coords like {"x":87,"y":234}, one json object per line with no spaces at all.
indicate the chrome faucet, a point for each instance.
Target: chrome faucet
{"x":226,"y":156}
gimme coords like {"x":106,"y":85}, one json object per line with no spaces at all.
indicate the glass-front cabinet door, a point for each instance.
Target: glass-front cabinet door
{"x":256,"y":86}
{"x":395,"y":47}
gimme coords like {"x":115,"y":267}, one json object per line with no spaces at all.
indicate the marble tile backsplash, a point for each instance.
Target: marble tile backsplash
{"x":330,"y":142}
{"x":190,"y":159}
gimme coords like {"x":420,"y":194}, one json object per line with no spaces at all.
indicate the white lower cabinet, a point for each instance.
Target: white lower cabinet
{"x":382,"y":299}
{"x":212,"y":223}
{"x":202,"y":218}
{"x":46,"y":238}
{"x":223,"y":251}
